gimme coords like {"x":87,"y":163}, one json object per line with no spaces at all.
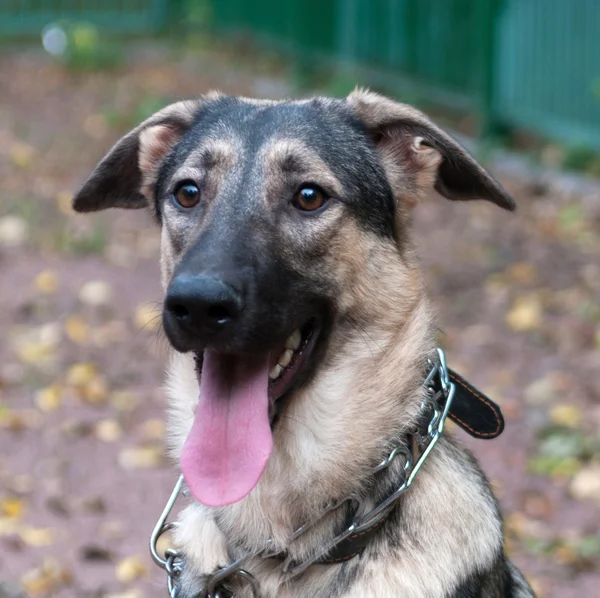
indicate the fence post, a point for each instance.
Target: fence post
{"x":491,"y":11}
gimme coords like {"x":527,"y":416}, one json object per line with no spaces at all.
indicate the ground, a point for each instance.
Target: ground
{"x":82,"y":472}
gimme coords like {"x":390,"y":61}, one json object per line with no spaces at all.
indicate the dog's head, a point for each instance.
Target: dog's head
{"x":280,"y":221}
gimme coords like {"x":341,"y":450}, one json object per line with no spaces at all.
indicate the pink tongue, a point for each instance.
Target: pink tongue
{"x":230,"y":441}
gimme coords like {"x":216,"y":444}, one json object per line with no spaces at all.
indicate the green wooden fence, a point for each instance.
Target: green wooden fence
{"x":531,"y":64}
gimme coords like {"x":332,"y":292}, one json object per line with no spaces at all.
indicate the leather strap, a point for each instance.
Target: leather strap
{"x":475,"y":413}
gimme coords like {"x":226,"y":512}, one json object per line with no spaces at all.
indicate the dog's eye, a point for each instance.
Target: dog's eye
{"x":187,"y":195}
{"x":309,"y":198}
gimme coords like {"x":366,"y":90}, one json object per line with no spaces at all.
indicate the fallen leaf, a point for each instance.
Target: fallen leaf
{"x":14,"y":231}
{"x":569,"y":416}
{"x":130,"y":569}
{"x":147,"y":317}
{"x":123,"y":400}
{"x":49,"y":399}
{"x":13,"y":508}
{"x":22,"y":154}
{"x":95,"y":293}
{"x":96,"y":391}
{"x":81,"y":374}
{"x":46,"y":282}
{"x":77,"y":330}
{"x":153,"y":429}
{"x":526,"y":313}
{"x":128,"y":594}
{"x":586,"y":484}
{"x":63,"y":201}
{"x":34,"y":353}
{"x":8,"y":526}
{"x":37,"y":536}
{"x":141,"y":458}
{"x":47,"y":578}
{"x":108,"y":430}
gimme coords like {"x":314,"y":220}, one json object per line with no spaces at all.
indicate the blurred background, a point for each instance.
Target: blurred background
{"x":83,"y":476}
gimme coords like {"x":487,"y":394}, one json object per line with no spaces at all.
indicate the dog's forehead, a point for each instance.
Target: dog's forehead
{"x":318,"y":122}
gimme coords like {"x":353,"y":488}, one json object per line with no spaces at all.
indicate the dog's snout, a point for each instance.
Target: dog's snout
{"x":201,"y":305}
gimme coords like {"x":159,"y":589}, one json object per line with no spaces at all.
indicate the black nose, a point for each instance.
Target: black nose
{"x":201,"y":305}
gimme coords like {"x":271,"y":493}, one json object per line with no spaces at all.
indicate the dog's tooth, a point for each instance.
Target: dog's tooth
{"x":293,"y":342}
{"x":285,"y":358}
{"x":274,"y":373}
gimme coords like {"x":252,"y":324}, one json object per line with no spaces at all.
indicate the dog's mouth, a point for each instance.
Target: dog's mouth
{"x":229,"y":444}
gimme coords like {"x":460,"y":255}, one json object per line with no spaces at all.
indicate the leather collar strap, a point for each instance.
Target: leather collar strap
{"x":475,"y":413}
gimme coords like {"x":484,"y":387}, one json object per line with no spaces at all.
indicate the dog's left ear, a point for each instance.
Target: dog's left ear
{"x":125,"y":176}
{"x":417,"y":155}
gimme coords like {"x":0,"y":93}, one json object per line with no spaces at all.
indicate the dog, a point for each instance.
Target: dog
{"x":302,"y":335}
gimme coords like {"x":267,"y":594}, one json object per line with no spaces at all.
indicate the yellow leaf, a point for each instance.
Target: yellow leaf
{"x":96,"y":391}
{"x":13,"y":508}
{"x":526,"y":314}
{"x":47,"y":578}
{"x":33,"y":353}
{"x":77,"y":330}
{"x":147,"y":317}
{"x":22,"y":154}
{"x":130,"y":569}
{"x":37,"y":536}
{"x":141,"y":458}
{"x":124,"y":401}
{"x":109,"y":430}
{"x":63,"y":201}
{"x":80,"y":374}
{"x":49,"y":399}
{"x":566,"y":415}
{"x":46,"y":282}
{"x":153,"y":429}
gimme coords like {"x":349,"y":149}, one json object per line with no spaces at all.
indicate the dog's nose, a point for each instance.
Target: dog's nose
{"x":202,"y":304}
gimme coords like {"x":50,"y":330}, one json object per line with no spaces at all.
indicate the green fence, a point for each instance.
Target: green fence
{"x":532,"y":64}
{"x":29,"y":17}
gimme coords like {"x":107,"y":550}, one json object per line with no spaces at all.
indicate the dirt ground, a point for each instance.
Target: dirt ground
{"x":82,"y":472}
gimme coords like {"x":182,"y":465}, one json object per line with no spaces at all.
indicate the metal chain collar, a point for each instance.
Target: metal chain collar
{"x":440,"y":392}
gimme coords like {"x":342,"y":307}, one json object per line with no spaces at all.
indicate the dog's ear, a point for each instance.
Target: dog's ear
{"x":417,"y":155}
{"x":125,"y":176}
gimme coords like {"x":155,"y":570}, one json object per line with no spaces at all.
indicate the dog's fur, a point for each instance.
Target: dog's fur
{"x":354,"y":264}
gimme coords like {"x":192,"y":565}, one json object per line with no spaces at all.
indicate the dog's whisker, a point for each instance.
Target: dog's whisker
{"x":299,"y":421}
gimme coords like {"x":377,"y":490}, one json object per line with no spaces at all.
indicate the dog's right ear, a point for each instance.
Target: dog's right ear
{"x":125,"y":176}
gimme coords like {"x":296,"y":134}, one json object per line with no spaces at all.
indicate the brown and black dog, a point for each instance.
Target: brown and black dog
{"x":300,"y":327}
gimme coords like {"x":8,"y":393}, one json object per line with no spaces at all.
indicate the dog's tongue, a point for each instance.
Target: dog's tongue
{"x":230,"y":441}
